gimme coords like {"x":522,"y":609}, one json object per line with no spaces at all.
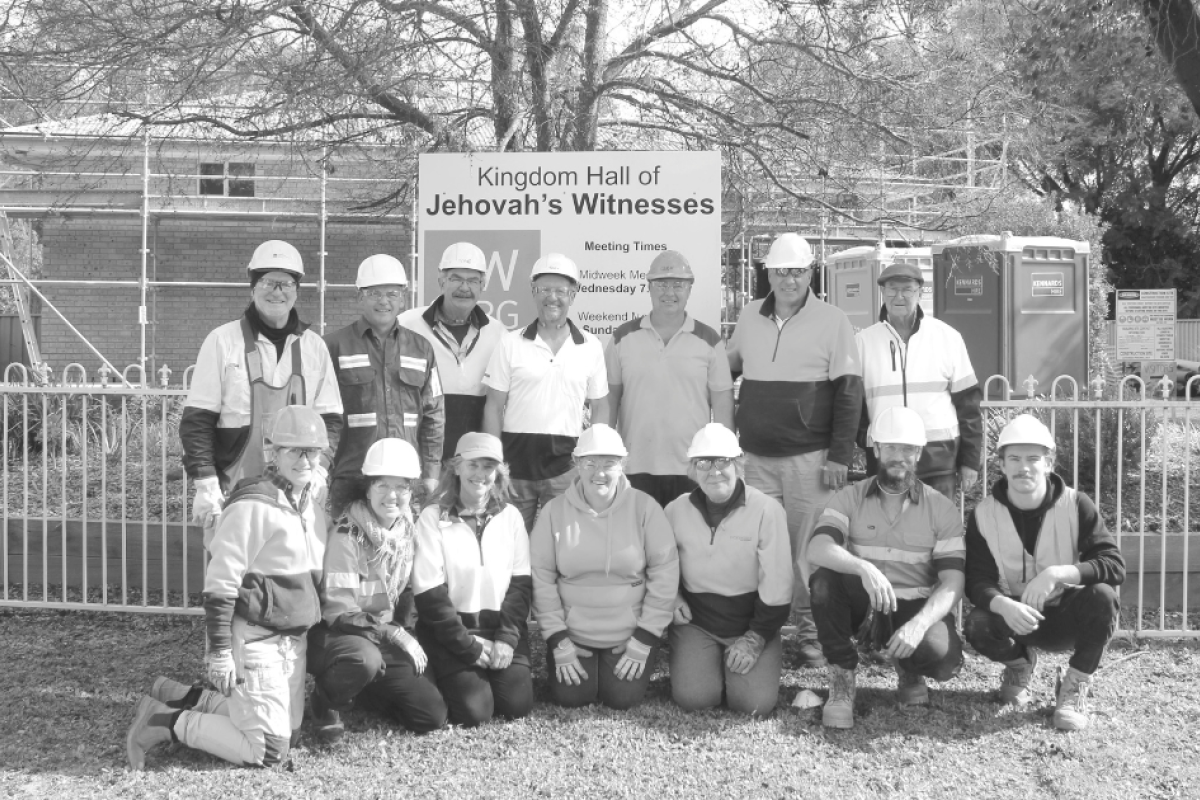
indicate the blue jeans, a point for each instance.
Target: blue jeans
{"x":530,"y":497}
{"x":699,"y":677}
{"x":601,"y":684}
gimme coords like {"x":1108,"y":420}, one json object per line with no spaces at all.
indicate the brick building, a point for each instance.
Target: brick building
{"x":202,"y":205}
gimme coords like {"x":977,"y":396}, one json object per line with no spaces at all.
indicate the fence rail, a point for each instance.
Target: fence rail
{"x":96,"y":503}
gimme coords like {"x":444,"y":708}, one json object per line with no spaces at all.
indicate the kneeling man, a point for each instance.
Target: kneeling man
{"x":893,"y":545}
{"x":1041,"y":572}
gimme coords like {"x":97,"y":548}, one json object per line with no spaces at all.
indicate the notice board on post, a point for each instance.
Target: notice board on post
{"x":609,"y":212}
{"x":1146,"y":329}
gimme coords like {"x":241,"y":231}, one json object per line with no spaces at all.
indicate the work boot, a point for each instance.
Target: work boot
{"x":174,"y":693}
{"x":810,"y":655}
{"x":911,"y":689}
{"x":1016,"y":680}
{"x":151,"y":727}
{"x":839,"y":709}
{"x":327,"y":722}
{"x":1070,"y":708}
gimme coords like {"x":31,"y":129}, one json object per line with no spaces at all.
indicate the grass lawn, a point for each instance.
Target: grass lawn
{"x":68,"y":681}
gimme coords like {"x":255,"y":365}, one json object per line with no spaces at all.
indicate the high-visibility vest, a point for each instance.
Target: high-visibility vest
{"x":1057,"y":542}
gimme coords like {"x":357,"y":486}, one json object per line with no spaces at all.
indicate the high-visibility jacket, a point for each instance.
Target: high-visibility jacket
{"x":1057,"y":541}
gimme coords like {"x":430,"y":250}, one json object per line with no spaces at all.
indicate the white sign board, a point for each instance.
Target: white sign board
{"x":610,"y":212}
{"x":1145,"y":324}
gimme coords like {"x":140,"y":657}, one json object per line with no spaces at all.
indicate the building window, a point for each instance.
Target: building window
{"x":227,"y":179}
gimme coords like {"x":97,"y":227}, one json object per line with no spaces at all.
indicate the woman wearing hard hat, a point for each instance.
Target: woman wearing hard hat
{"x":362,"y":645}
{"x":260,"y":597}
{"x":473,"y":589}
{"x":247,"y":370}
{"x":605,"y":576}
{"x":735,"y":593}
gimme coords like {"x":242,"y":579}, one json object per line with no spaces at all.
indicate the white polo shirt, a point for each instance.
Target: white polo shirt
{"x":546,"y":392}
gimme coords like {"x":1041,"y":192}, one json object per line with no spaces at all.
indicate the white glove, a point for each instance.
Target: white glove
{"x":633,"y":660}
{"x":221,"y":671}
{"x":566,"y":663}
{"x":406,"y":642}
{"x":318,"y":487}
{"x":206,"y":508}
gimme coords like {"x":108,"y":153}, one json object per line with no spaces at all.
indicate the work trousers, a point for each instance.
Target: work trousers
{"x":253,"y":726}
{"x":530,"y":497}
{"x":663,"y":488}
{"x":601,"y":685}
{"x":345,"y":665}
{"x":700,"y":679}
{"x":474,"y":695}
{"x":1084,"y":620}
{"x":797,"y":483}
{"x":840,"y":606}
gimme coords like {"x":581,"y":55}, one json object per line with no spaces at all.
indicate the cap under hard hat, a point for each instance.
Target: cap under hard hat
{"x":380,"y":270}
{"x":898,"y":270}
{"x":297,"y":426}
{"x":555,"y":264}
{"x":789,"y":250}
{"x":392,"y":457}
{"x":479,"y":445}
{"x":714,"y":440}
{"x":1026,"y":429}
{"x":670,"y":264}
{"x":463,"y":255}
{"x":898,"y":425}
{"x":600,"y":440}
{"x":276,"y":254}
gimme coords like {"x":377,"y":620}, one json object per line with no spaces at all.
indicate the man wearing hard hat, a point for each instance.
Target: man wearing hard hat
{"x":247,"y":370}
{"x":463,"y":338}
{"x":1042,"y":572}
{"x":260,"y":596}
{"x":668,"y":375}
{"x":537,"y":382}
{"x":799,"y":405}
{"x":921,"y":363}
{"x":388,"y":378}
{"x":891,"y":547}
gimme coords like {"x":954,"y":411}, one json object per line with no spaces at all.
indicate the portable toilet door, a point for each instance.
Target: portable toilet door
{"x":853,"y":276}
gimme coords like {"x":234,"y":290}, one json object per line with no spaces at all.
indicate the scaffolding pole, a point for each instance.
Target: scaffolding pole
{"x":321,"y":249}
{"x":143,"y":288}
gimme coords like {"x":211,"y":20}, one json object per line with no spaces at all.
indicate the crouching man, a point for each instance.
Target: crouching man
{"x":260,"y":597}
{"x":893,"y":546}
{"x":1041,"y":572}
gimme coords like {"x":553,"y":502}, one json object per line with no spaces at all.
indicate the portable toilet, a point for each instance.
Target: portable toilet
{"x":852,"y":276}
{"x":1020,"y":303}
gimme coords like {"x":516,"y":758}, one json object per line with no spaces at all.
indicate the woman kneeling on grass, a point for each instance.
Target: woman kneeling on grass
{"x":473,"y":589}
{"x":260,"y":597}
{"x":362,"y":645}
{"x":735,"y":594}
{"x":605,"y":575}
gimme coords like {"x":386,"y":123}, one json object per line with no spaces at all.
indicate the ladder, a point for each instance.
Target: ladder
{"x":21,"y":298}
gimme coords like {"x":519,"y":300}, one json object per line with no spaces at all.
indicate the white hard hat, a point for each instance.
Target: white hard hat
{"x":297,"y":426}
{"x":380,"y":270}
{"x":600,"y":440}
{"x":714,"y":440}
{"x":463,"y":255}
{"x":1026,"y":429}
{"x":789,"y":250}
{"x":276,"y":254}
{"x":898,"y":425}
{"x":555,"y":264}
{"x":392,"y":457}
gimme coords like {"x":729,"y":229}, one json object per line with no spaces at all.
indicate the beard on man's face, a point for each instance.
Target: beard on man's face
{"x":895,"y":476}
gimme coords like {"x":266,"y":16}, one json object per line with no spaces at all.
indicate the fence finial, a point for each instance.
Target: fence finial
{"x":1030,"y":385}
{"x":104,"y":372}
{"x":1164,"y":386}
{"x":164,"y":375}
{"x":1098,"y":387}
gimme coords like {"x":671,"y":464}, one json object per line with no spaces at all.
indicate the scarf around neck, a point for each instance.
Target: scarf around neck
{"x":393,"y":555}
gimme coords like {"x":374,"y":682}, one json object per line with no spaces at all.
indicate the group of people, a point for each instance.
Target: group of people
{"x":655,"y":520}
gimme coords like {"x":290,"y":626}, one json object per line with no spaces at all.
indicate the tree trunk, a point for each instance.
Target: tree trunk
{"x":1176,"y":30}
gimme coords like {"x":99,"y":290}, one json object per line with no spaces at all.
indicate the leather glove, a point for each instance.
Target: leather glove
{"x":683,"y":614}
{"x":221,"y":672}
{"x":502,"y":655}
{"x":742,"y":655}
{"x":206,"y":508}
{"x":876,"y":631}
{"x":408,"y":643}
{"x":566,"y":663}
{"x":633,"y":660}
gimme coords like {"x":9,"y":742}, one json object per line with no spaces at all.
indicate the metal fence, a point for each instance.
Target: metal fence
{"x":96,"y":503}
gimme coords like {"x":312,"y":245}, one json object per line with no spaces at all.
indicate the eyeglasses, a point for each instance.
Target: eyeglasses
{"x":311,"y":453}
{"x":676,"y":285}
{"x":792,"y":272}
{"x":907,"y":291}
{"x":271,"y":286}
{"x":553,"y":291}
{"x":387,"y":488}
{"x":380,"y":294}
{"x":606,"y":464}
{"x":467,"y":281}
{"x":705,"y":464}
